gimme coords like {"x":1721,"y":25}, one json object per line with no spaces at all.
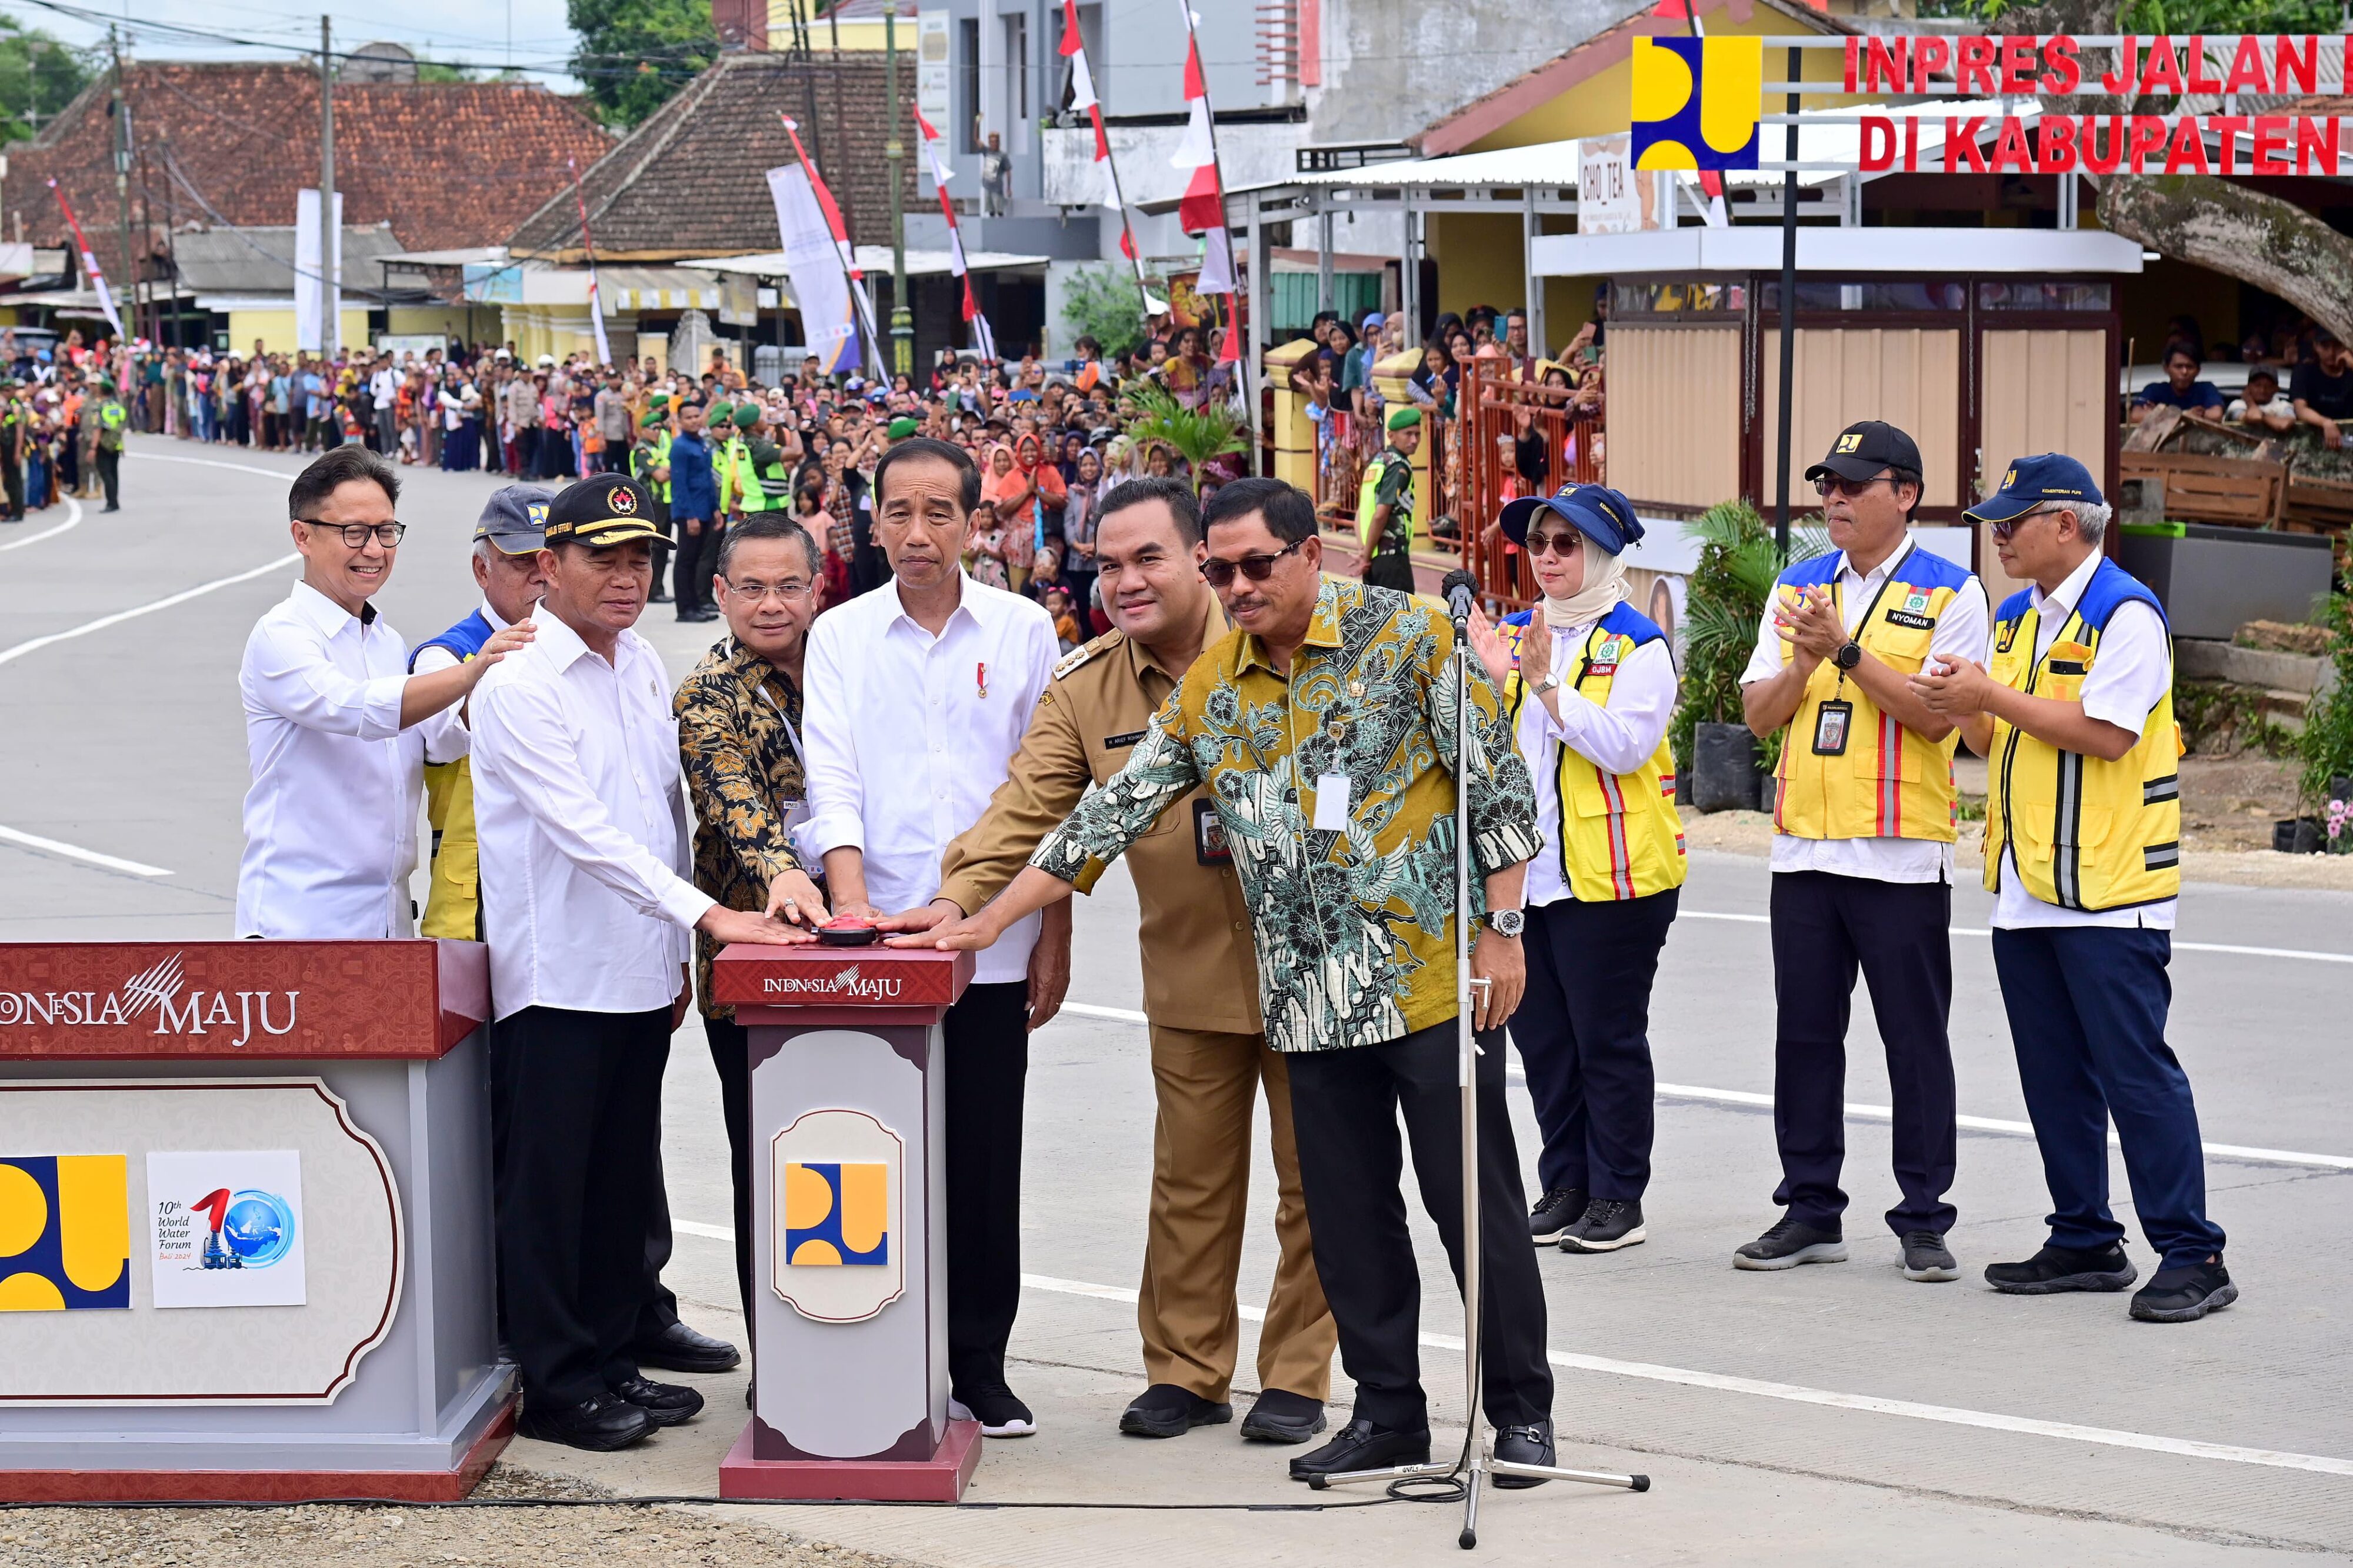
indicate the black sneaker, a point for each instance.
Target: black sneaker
{"x":2056,"y":1268}
{"x":1790,"y":1243}
{"x":1927,"y":1259}
{"x":2185,"y":1294}
{"x":1607,"y":1224}
{"x":1165,"y":1410}
{"x":669,"y":1404}
{"x":1528,"y":1444}
{"x":1000,"y":1415}
{"x":1282,"y":1417}
{"x":1361,"y":1446}
{"x":1554,"y":1214}
{"x":599,"y":1424}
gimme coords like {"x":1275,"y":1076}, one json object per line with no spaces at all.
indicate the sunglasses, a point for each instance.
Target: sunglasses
{"x":2008,"y":526}
{"x":1257,"y":568}
{"x":1563,"y":544}
{"x":1836,"y":486}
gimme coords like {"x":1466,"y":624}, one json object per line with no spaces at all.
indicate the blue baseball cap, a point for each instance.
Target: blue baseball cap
{"x":1600,"y":512}
{"x":515,"y":518}
{"x":2030,"y":482}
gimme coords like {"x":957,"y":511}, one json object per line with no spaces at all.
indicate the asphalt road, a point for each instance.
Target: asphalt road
{"x":1839,"y":1410}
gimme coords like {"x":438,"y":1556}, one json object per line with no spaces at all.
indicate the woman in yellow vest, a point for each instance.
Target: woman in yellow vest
{"x":1590,"y":684}
{"x":2074,"y":714}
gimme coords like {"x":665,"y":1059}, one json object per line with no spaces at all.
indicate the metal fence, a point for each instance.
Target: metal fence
{"x":1517,"y":438}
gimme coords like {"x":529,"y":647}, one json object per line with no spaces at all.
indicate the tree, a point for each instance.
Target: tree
{"x":634,"y":54}
{"x":39,"y":77}
{"x":1102,"y":304}
{"x":2204,"y":219}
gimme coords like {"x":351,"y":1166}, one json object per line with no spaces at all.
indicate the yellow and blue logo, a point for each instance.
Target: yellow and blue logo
{"x":1696,"y":102}
{"x":837,"y":1213}
{"x":65,"y":1232}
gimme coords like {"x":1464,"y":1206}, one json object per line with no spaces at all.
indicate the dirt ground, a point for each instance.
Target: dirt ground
{"x":2228,"y":806}
{"x":411,"y":1537}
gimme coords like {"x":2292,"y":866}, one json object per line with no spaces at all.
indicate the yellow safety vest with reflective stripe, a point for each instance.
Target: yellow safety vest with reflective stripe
{"x":1859,"y":774}
{"x":1620,"y":836}
{"x":2085,"y":833}
{"x":750,"y":496}
{"x":1401,"y":525}
{"x":453,"y":901}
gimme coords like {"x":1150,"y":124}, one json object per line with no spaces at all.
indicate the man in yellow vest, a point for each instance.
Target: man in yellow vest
{"x":649,"y":466}
{"x":2084,"y":857}
{"x":1862,"y":846}
{"x":1384,"y":506}
{"x":111,"y":419}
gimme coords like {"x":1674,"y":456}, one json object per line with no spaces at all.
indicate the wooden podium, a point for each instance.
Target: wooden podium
{"x":850,"y":1253}
{"x":245,"y":1221}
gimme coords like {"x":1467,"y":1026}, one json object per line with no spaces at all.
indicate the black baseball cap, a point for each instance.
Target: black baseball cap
{"x":607,"y":509}
{"x":1862,"y":451}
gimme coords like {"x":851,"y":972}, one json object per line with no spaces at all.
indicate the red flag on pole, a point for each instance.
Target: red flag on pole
{"x":89,"y":263}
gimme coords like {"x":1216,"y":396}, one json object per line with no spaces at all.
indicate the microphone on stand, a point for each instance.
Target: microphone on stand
{"x":1460,"y":590}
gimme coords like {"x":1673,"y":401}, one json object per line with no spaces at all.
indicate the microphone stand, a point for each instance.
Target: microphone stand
{"x":1464,"y":1474}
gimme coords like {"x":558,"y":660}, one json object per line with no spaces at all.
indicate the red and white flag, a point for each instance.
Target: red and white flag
{"x":1202,"y":209}
{"x":1082,"y":96}
{"x":982,"y":338}
{"x":90,"y":264}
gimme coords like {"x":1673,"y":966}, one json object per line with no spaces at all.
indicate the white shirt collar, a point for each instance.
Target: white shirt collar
{"x":330,"y":617}
{"x":498,"y":623}
{"x":2070,"y":592}
{"x":562,"y":648}
{"x":1880,"y":572}
{"x":965,"y":589}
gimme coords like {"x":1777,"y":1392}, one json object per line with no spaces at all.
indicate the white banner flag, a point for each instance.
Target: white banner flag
{"x":318,"y":294}
{"x":828,"y":320}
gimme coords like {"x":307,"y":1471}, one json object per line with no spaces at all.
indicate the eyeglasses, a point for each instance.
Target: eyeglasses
{"x":1836,"y":485}
{"x":1257,"y":568}
{"x":2008,"y":526}
{"x":1563,"y":544}
{"x":356,"y":534}
{"x":758,"y":592}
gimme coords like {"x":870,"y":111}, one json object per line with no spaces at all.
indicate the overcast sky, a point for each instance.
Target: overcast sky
{"x":530,"y":33}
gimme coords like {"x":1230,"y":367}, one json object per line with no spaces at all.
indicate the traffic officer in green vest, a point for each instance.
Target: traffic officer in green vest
{"x":1385,"y":505}
{"x":763,"y":484}
{"x":649,"y":466}
{"x":14,"y":419}
{"x":112,"y":419}
{"x":729,"y":458}
{"x":507,"y":539}
{"x":1863,"y":848}
{"x":2075,"y":712}
{"x":1590,"y":683}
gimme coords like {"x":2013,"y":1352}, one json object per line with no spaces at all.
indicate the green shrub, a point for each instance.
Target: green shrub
{"x":2326,"y":743}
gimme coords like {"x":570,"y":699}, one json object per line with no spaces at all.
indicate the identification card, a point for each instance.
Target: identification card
{"x":1332,"y":802}
{"x":1209,"y":846}
{"x":1831,"y":726}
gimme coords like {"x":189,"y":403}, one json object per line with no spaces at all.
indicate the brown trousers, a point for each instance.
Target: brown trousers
{"x":1206,"y":1085}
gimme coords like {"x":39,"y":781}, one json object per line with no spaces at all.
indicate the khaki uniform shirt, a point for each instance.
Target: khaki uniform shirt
{"x":1199,"y":969}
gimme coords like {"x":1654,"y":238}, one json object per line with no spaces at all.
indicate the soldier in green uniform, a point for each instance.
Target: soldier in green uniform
{"x":764,"y":482}
{"x":649,"y":466}
{"x":111,"y":419}
{"x":13,"y":422}
{"x":1384,"y":506}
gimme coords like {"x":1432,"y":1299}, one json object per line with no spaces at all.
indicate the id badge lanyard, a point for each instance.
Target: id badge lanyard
{"x":1834,"y":719}
{"x":797,"y":812}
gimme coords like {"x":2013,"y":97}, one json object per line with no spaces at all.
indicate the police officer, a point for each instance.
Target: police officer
{"x":1210,"y":1053}
{"x":15,"y":422}
{"x":1862,"y":846}
{"x":2075,"y":714}
{"x":110,"y":420}
{"x":1589,"y":682}
{"x":763,"y":482}
{"x":1384,"y":504}
{"x":649,"y":466}
{"x":730,"y":459}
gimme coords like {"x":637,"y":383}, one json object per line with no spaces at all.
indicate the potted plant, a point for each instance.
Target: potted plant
{"x":1725,"y":600}
{"x":1196,"y":435}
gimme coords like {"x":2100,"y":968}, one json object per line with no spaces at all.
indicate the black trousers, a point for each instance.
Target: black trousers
{"x":1584,"y":1034}
{"x":1345,"y":1106}
{"x":731,"y":1045}
{"x":1899,"y":934}
{"x":987,"y":1051}
{"x":1389,"y":569}
{"x":698,"y":557}
{"x":12,"y":477}
{"x":110,"y":473}
{"x":578,"y":1133}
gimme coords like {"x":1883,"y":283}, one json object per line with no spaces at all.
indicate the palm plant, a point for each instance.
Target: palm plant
{"x":1196,"y":435}
{"x":1726,"y":594}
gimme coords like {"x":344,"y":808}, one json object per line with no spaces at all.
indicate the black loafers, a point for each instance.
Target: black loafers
{"x":1526,"y":1445}
{"x":679,"y":1349}
{"x":1362,"y":1446}
{"x":1282,"y":1417}
{"x":669,"y":1404}
{"x":1165,"y":1410}
{"x":599,"y":1424}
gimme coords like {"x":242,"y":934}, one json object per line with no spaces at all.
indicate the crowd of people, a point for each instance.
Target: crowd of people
{"x":2299,"y":381}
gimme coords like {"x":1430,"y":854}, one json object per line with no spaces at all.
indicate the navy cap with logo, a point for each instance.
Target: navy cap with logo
{"x":1602,"y":513}
{"x":1864,"y":451}
{"x":2036,"y":481}
{"x":607,"y":509}
{"x":515,"y":518}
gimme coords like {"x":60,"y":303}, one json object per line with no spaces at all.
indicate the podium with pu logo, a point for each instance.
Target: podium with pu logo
{"x":849,"y":1380}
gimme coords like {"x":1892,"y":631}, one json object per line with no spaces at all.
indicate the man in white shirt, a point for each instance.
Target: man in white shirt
{"x":2076,"y":714}
{"x":918,"y":696}
{"x":384,"y":389}
{"x":1863,"y":847}
{"x":334,"y":721}
{"x":588,"y":907}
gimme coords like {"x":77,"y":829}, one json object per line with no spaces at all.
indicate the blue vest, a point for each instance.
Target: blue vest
{"x":465,"y":639}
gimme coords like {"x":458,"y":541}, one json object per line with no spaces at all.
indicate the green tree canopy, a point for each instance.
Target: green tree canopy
{"x":634,"y":54}
{"x":35,"y":82}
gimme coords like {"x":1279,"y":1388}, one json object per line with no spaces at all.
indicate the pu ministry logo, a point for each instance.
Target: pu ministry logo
{"x":836,"y":1194}
{"x":1696,"y":102}
{"x":161,"y":991}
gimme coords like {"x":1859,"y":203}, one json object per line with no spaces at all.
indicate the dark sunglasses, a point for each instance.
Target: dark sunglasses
{"x":1563,"y":544}
{"x":1835,"y":485}
{"x":1257,"y":568}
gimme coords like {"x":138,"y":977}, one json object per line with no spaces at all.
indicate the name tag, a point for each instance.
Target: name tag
{"x":1114,"y":743}
{"x":1907,"y":618}
{"x":1210,"y":845}
{"x":1601,"y":669}
{"x":1332,"y":802}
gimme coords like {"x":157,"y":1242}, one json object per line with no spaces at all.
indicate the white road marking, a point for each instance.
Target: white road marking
{"x":1867,"y":1113}
{"x":73,"y":517}
{"x":34,"y":645}
{"x":210,"y":463}
{"x":2307,"y":954}
{"x":51,"y":847}
{"x":1650,"y":1372}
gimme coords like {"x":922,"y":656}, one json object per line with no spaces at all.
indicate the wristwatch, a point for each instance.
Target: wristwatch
{"x":1551,"y":678}
{"x":1508,"y":923}
{"x":1849,"y":654}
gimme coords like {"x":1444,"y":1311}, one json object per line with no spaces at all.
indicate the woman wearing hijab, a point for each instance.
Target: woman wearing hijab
{"x":1011,"y":495}
{"x":1589,"y":682}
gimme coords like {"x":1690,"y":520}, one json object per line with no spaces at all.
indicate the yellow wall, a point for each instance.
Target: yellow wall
{"x":558,"y":329}
{"x":276,"y":330}
{"x":1480,"y":261}
{"x":443,"y":318}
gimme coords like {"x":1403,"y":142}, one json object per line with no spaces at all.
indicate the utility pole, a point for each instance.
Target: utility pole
{"x":894,"y":153}
{"x":122,"y":112}
{"x":330,"y":233}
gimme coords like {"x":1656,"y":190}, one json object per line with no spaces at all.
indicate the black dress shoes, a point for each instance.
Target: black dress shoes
{"x":1363,"y":1446}
{"x":1282,"y":1417}
{"x":1527,"y":1445}
{"x":679,"y":1349}
{"x":600,"y":1425}
{"x":669,"y":1404}
{"x":1165,"y":1410}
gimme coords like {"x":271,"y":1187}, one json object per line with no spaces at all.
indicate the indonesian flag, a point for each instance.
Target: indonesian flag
{"x":1082,"y":96}
{"x":1203,"y":205}
{"x":982,"y":338}
{"x":90,"y":264}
